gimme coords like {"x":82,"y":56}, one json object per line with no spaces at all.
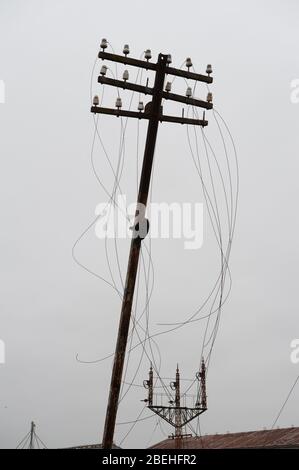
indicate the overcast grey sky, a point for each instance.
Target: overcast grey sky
{"x":50,"y":308}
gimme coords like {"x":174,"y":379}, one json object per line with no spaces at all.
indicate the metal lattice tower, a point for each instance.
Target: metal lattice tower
{"x":174,"y":413}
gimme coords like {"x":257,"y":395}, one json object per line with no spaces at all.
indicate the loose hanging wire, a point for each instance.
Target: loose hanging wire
{"x":285,"y":402}
{"x":231,"y":224}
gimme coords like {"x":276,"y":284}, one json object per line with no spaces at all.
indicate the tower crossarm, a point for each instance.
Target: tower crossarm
{"x":168,"y":413}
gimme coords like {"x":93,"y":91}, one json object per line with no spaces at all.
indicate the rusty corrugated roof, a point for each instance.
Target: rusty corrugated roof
{"x":287,"y":437}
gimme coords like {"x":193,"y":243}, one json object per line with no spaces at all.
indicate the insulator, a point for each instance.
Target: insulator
{"x":188,"y":62}
{"x":125,"y":75}
{"x":189,"y":92}
{"x":173,"y":385}
{"x":209,"y":97}
{"x":118,"y":103}
{"x":140,"y":106}
{"x":168,"y":86}
{"x":209,"y":69}
{"x":104,"y":43}
{"x":96,"y":100}
{"x":103,"y":70}
{"x":169,"y":59}
{"x":148,"y":54}
{"x":126,"y":49}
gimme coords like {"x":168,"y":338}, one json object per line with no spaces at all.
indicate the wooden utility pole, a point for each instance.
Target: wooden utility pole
{"x":125,"y":315}
{"x":153,"y":113}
